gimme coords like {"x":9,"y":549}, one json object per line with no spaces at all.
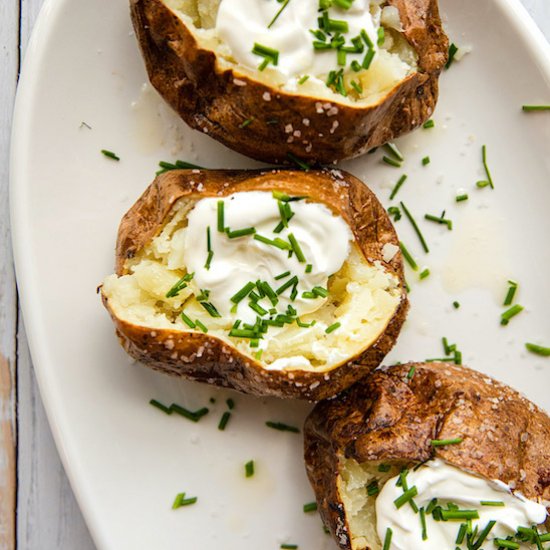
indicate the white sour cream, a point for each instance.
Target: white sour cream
{"x":437,"y":479}
{"x":242,"y":23}
{"x":323,"y":238}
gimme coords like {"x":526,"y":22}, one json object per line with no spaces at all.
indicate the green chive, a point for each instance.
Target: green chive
{"x":289,"y":546}
{"x":270,"y":55}
{"x":509,"y":313}
{"x":381,"y":36}
{"x":407,"y":496}
{"x":309,"y":268}
{"x":373,"y":488}
{"x":249,"y":468}
{"x":194,"y":416}
{"x":291,"y":282}
{"x":243,"y":293}
{"x":395,"y":212}
{"x":187,"y":320}
{"x":539,"y":350}
{"x":398,"y":185}
{"x":280,"y":426}
{"x":456,"y":305}
{"x":384,"y":467}
{"x":180,"y":501}
{"x":444,"y":442}
{"x":303,"y":79}
{"x":201,"y":326}
{"x":394,"y":151}
{"x":503,"y":543}
{"x":387,"y":539}
{"x":415,"y":227}
{"x":424,"y":273}
{"x":230,"y":403}
{"x":408,"y":257}
{"x":428,"y":124}
{"x":461,"y":198}
{"x":180,"y":285}
{"x":282,"y":275}
{"x":423,"y":524}
{"x":285,"y":4}
{"x":391,"y":161}
{"x":440,"y":220}
{"x":357,"y":87}
{"x":277,"y":243}
{"x":333,"y":327}
{"x":492,"y":503}
{"x":209,"y":259}
{"x":257,"y":308}
{"x":511,"y":293}
{"x":211,"y":309}
{"x":258,"y":354}
{"x":425,"y":161}
{"x":110,"y":154}
{"x":487,"y":172}
{"x":159,"y":405}
{"x":411,"y":372}
{"x":536,"y":107}
{"x":240,"y":232}
{"x":459,"y":515}
{"x":300,"y":163}
{"x":221,"y":216}
{"x":246,"y":123}
{"x":452,"y":52}
{"x":320,"y":291}
{"x":224,"y":420}
{"x":310,"y":507}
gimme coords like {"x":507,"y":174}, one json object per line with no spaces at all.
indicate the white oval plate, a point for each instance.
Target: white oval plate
{"x":126,"y":460}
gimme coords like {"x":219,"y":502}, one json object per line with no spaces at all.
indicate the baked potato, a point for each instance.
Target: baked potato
{"x":316,"y":80}
{"x":300,"y":305}
{"x":431,"y":430}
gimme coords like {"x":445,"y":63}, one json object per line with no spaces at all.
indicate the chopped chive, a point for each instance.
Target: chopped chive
{"x":445,"y":442}
{"x":300,"y":163}
{"x":395,"y":212}
{"x":211,"y":309}
{"x":224,"y":420}
{"x":452,"y":52}
{"x":509,"y":313}
{"x":456,"y":305}
{"x":539,"y":350}
{"x":291,"y":282}
{"x":411,"y":372}
{"x":492,"y":503}
{"x":487,"y":171}
{"x":279,"y":243}
{"x":373,"y":488}
{"x":270,"y":55}
{"x":384,"y":467}
{"x":381,"y":36}
{"x":423,"y":524}
{"x":282,"y":275}
{"x":357,"y":87}
{"x":535,"y":107}
{"x":254,"y":306}
{"x":407,"y":496}
{"x":461,"y":533}
{"x":240,"y":232}
{"x":194,"y":416}
{"x":482,"y":183}
{"x":243,"y":333}
{"x":320,"y":291}
{"x":309,"y":267}
{"x":425,"y":161}
{"x":394,"y":151}
{"x":187,"y":320}
{"x":246,"y":123}
{"x":209,"y":260}
{"x":408,"y":257}
{"x":424,"y":273}
{"x":303,"y":79}
{"x":503,"y":543}
{"x":280,"y":426}
{"x":333,"y":327}
{"x":180,"y":285}
{"x":428,"y":124}
{"x":415,"y":227}
{"x":201,"y":326}
{"x":461,"y":198}
{"x":289,"y":546}
{"x":249,"y":468}
{"x":221,"y":216}
{"x":440,"y":220}
{"x":258,"y":354}
{"x":159,"y":405}
{"x":391,"y":161}
{"x":180,"y":501}
{"x":310,"y":507}
{"x":387,"y":539}
{"x":272,"y":22}
{"x":398,"y":185}
{"x":110,"y":154}
{"x":511,"y":293}
{"x":459,"y":515}
{"x":296,"y":248}
{"x":243,"y":293}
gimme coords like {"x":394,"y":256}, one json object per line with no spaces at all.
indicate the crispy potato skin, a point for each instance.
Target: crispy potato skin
{"x":218,"y":101}
{"x":205,"y":357}
{"x":385,"y":417}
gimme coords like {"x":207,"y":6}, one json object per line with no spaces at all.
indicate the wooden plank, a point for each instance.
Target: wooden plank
{"x":48,"y":517}
{"x":9,"y":62}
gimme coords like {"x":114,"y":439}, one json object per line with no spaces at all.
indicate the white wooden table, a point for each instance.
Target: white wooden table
{"x":37,"y":507}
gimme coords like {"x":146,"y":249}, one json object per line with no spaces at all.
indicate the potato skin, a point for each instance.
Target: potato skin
{"x":385,"y":417}
{"x":218,"y":101}
{"x":205,"y":357}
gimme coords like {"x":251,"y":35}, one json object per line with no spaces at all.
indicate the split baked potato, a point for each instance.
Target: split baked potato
{"x":374,"y":86}
{"x":406,"y":417}
{"x":167,"y":319}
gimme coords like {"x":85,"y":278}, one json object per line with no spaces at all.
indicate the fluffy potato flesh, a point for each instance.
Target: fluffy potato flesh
{"x":395,"y":60}
{"x":362,"y":296}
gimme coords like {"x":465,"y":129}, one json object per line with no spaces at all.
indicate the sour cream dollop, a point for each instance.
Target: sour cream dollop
{"x":243,"y":23}
{"x":323,"y":238}
{"x":437,"y":479}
